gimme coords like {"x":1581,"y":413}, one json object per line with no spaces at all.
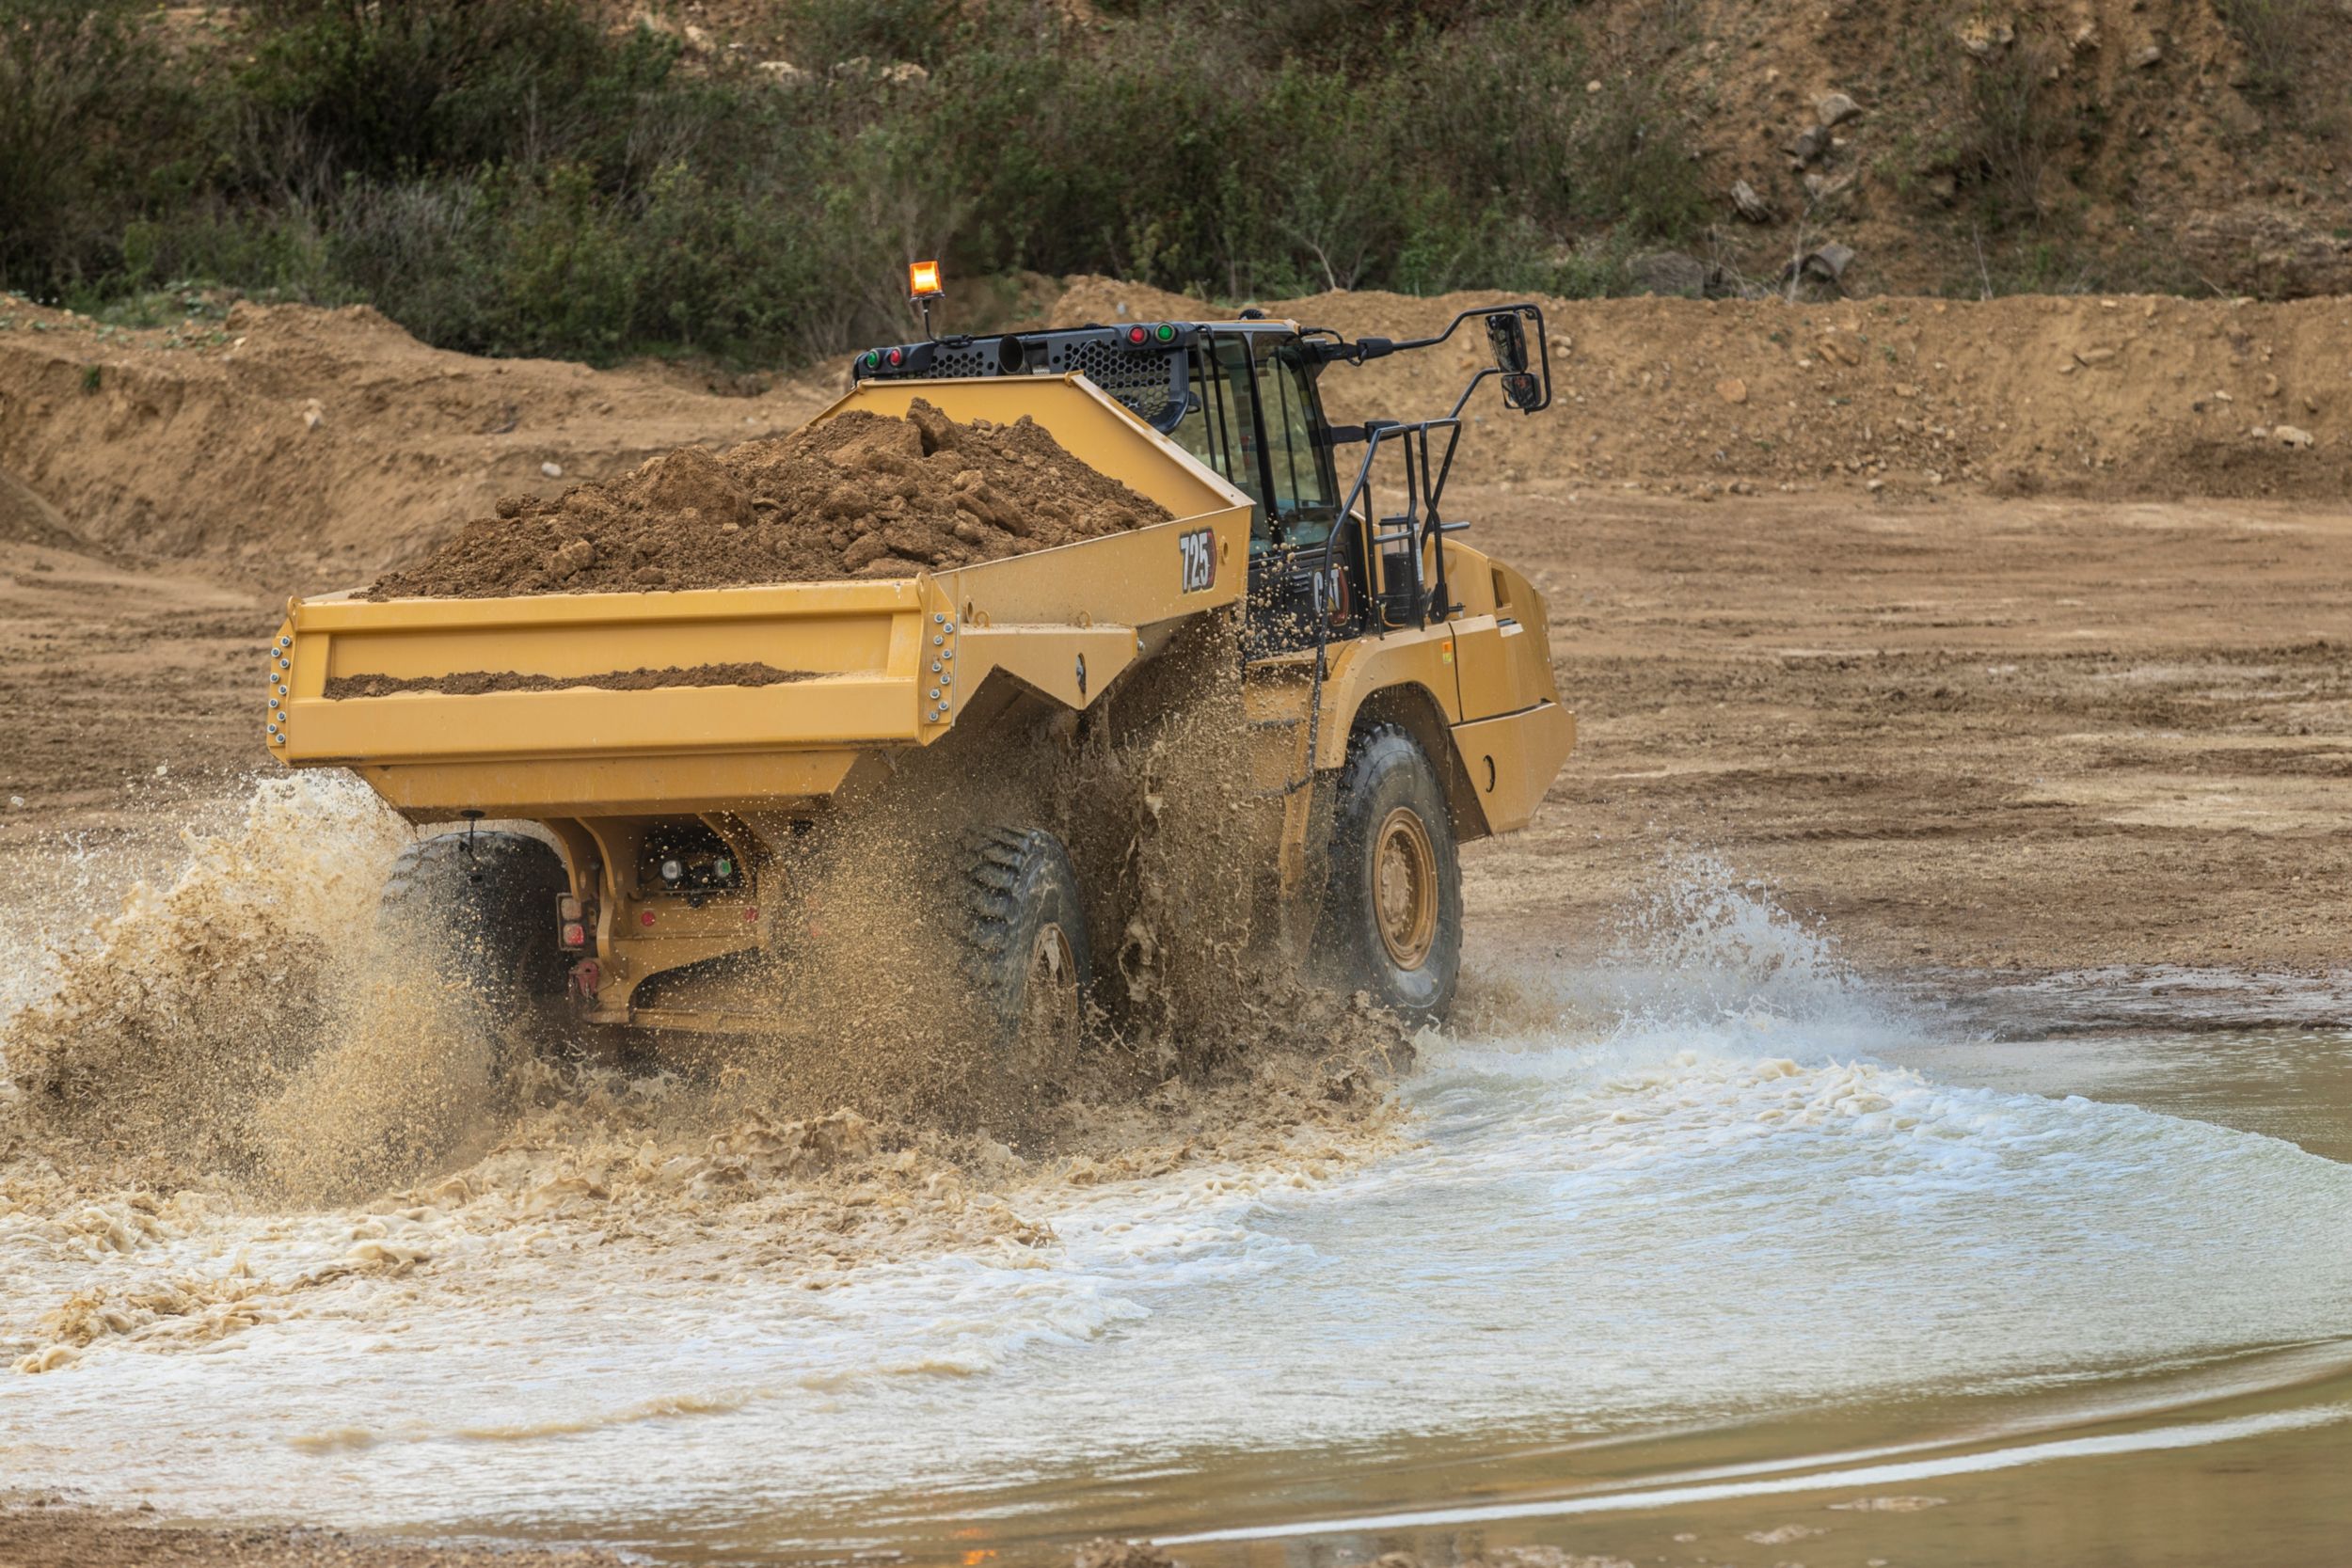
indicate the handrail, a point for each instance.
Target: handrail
{"x":1423,"y":488}
{"x":1424,"y":485}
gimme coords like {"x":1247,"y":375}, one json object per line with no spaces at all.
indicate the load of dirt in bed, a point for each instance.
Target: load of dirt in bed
{"x":475,"y":683}
{"x":861,"y":494}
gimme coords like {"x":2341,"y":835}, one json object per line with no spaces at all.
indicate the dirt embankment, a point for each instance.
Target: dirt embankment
{"x":861,"y":494}
{"x":300,"y":449}
{"x":295,"y":449}
{"x":2082,"y":395}
{"x":2150,"y":138}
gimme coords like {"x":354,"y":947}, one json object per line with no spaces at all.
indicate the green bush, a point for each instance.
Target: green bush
{"x":385,"y":88}
{"x":826,"y":33}
{"x":88,"y":121}
{"x":2013,"y":120}
{"x":513,"y":177}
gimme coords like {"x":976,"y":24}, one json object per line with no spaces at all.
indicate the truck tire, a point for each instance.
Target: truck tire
{"x":1391,"y":920}
{"x":479,"y":923}
{"x":1027,"y":935}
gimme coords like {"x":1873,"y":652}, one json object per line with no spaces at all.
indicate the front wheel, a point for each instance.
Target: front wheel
{"x":1391,"y":920}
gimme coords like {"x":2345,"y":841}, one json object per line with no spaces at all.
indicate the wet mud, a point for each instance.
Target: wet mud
{"x":239,"y":1083}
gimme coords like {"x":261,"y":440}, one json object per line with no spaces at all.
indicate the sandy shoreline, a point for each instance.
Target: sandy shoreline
{"x":56,"y":1533}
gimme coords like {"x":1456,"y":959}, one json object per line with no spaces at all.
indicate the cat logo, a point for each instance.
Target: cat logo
{"x":1196,"y":551}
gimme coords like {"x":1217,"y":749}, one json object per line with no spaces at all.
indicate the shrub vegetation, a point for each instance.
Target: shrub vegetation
{"x":524,"y":177}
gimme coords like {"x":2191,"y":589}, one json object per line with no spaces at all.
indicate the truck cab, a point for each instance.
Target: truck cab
{"x":1347,"y":534}
{"x":1243,"y":398}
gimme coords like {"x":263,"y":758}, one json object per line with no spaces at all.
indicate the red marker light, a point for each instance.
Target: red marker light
{"x":646,"y":919}
{"x":898,"y":356}
{"x":1138,"y":335}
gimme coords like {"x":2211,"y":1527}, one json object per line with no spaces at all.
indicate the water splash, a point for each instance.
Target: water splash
{"x":1710,"y":939}
{"x":1705,"y":960}
{"x":1675,"y":1192}
{"x":153,"y":1030}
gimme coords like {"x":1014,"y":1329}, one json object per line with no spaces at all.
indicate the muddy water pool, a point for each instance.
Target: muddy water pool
{"x":1684,"y":1262}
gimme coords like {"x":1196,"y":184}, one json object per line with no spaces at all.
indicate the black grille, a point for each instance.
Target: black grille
{"x":1139,"y":378}
{"x":1149,"y":379}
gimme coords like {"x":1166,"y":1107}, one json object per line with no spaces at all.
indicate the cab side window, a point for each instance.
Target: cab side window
{"x":1221,"y":429}
{"x":1244,"y":387}
{"x":1298,"y":469}
{"x":1290,"y":435}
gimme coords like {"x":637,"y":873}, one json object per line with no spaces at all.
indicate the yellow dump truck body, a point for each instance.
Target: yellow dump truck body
{"x":866,"y":665}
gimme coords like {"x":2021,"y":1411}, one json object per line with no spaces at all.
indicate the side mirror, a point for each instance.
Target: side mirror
{"x":1522,"y":389}
{"x":1507,"y":334}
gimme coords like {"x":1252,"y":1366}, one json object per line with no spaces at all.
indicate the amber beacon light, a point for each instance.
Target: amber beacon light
{"x":923,"y":281}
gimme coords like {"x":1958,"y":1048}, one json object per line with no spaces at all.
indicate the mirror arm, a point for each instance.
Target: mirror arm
{"x":1463,"y":402}
{"x":1337,"y":350}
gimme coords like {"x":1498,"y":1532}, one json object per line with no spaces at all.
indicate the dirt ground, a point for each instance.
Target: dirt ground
{"x":1931,"y":724}
{"x":1971,"y":734}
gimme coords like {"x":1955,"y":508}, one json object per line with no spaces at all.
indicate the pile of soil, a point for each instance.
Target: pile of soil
{"x":474,"y":683}
{"x":861,"y":494}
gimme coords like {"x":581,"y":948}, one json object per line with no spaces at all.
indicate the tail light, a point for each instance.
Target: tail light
{"x":575,"y":934}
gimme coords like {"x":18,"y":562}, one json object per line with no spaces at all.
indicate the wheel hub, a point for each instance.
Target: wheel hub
{"x":1405,"y":888}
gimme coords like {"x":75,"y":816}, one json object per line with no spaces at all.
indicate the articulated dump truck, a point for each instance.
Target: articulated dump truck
{"x":593,"y":841}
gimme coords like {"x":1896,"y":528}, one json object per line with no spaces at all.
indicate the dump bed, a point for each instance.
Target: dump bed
{"x":718,"y":698}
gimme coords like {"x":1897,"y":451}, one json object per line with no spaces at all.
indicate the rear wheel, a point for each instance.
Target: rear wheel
{"x":475,"y":915}
{"x":1393,"y":909}
{"x":1026,"y":931}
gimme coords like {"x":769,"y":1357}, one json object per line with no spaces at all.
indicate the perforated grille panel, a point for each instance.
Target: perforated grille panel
{"x":1146,"y":380}
{"x":1139,"y":379}
{"x":965,"y":361}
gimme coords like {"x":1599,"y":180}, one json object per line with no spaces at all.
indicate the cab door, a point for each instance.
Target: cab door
{"x":1259,"y":423}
